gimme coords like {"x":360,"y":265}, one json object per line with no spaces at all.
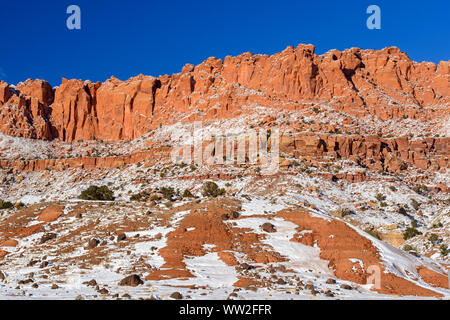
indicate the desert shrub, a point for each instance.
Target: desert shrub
{"x":141,"y":196}
{"x":408,"y":247}
{"x":393,"y":189}
{"x":102,"y":193}
{"x":247,"y":197}
{"x":433,"y":238}
{"x":20,"y":205}
{"x":167,"y":192}
{"x":437,"y":225}
{"x":345,"y":212}
{"x":380,"y":197}
{"x":415,"y":204}
{"x":154,"y":198}
{"x":373,"y":233}
{"x":444,"y":250}
{"x":411,"y":232}
{"x":383,"y":204}
{"x":211,"y":189}
{"x":187,"y":194}
{"x":5,"y":205}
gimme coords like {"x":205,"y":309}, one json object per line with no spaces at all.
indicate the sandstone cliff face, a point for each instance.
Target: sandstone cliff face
{"x":385,"y":83}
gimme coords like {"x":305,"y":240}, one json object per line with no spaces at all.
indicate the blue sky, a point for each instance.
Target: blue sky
{"x":125,"y":38}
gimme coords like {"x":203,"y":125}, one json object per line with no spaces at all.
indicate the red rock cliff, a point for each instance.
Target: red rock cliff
{"x":385,"y":83}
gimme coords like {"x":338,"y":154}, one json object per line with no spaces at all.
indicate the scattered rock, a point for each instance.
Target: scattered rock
{"x":176,"y":296}
{"x":55,"y":286}
{"x":93,"y":243}
{"x":309,"y":286}
{"x":132,"y":281}
{"x":103,"y":291}
{"x":91,"y":283}
{"x":246,"y":266}
{"x":346,"y":287}
{"x":331,"y":281}
{"x":121,"y":237}
{"x":47,"y":237}
{"x":27,"y":281}
{"x":268,"y":227}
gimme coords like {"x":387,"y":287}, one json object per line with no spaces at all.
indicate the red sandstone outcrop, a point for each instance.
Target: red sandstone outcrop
{"x":385,"y":83}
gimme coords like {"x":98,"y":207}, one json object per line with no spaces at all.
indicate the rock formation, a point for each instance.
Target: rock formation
{"x":385,"y":83}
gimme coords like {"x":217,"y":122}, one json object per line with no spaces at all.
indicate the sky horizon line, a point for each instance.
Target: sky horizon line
{"x":436,"y":63}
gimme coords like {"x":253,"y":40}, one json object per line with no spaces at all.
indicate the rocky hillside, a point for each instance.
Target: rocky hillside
{"x":362,"y":183}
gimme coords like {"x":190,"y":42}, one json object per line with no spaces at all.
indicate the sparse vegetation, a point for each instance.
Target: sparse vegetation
{"x":102,"y":193}
{"x":437,"y":225}
{"x":167,"y":192}
{"x":380,"y":197}
{"x":211,"y":189}
{"x":141,"y":196}
{"x":187,"y":194}
{"x":373,"y":233}
{"x":5,"y":205}
{"x":444,"y":250}
{"x":433,"y":238}
{"x":411,"y":232}
{"x":415,"y":204}
{"x":408,"y":247}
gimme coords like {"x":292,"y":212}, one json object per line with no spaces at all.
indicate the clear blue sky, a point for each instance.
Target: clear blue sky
{"x":125,"y":38}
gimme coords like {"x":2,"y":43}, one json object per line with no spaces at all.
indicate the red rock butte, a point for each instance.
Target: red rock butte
{"x":384,"y":83}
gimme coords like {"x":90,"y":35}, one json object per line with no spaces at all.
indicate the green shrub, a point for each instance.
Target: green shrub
{"x":20,"y":205}
{"x":444,"y":250}
{"x":187,"y":194}
{"x":345,"y":212}
{"x":5,"y":205}
{"x":154,"y":198}
{"x":141,"y":196}
{"x":411,"y":232}
{"x":437,"y":225}
{"x":380,"y":197}
{"x":415,"y":204}
{"x":211,"y":189}
{"x":167,"y":192}
{"x":102,"y":193}
{"x":408,"y":247}
{"x":433,"y":238}
{"x":373,"y":233}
